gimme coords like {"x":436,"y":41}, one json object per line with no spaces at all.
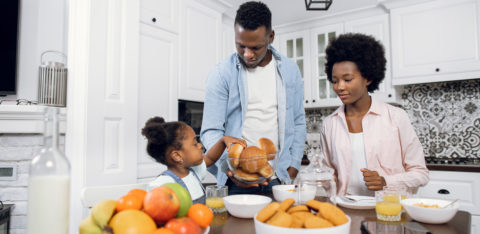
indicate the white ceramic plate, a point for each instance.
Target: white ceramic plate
{"x":364,"y":203}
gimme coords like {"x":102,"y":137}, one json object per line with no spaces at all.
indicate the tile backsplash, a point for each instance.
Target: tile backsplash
{"x":446,"y":117}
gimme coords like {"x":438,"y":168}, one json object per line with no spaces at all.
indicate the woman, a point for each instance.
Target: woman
{"x":370,"y":144}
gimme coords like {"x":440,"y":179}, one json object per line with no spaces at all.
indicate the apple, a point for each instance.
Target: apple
{"x":184,"y":197}
{"x":183,"y":225}
{"x":161,"y":203}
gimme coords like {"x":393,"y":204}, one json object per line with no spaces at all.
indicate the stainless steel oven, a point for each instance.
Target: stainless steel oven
{"x":191,"y":113}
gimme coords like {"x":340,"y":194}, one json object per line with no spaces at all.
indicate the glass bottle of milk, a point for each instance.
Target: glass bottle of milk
{"x":49,"y":183}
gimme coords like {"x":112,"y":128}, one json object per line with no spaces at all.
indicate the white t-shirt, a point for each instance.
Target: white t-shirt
{"x":261,"y":119}
{"x":194,"y":187}
{"x":356,"y":184}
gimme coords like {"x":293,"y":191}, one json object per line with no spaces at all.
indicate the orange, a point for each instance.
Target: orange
{"x":128,"y":202}
{"x":163,"y":231}
{"x":132,"y":222}
{"x":201,"y":214}
{"x":140,"y":193}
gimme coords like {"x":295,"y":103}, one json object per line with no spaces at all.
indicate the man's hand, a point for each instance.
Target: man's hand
{"x":373,"y":180}
{"x":244,"y":185}
{"x":292,"y":171}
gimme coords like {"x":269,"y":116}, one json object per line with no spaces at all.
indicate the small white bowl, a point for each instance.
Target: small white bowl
{"x":429,"y":215}
{"x":270,"y":229}
{"x":245,"y":205}
{"x":284,"y":191}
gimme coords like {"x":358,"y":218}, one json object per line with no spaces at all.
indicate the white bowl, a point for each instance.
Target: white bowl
{"x":429,"y":215}
{"x":245,"y":205}
{"x":284,"y":191}
{"x":270,"y":229}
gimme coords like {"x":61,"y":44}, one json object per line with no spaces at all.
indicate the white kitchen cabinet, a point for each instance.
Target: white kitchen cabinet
{"x":158,"y":75}
{"x":200,"y":47}
{"x":378,"y":27}
{"x":450,"y":185}
{"x":295,"y":46}
{"x":436,"y":41}
{"x":475,"y":228}
{"x":307,"y":48}
{"x":161,"y":14}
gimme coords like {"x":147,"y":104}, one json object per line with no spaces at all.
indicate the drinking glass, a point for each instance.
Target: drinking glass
{"x":388,"y":206}
{"x":214,"y":197}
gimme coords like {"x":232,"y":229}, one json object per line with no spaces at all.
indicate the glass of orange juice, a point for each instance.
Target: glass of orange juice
{"x":214,"y":198}
{"x":387,"y":205}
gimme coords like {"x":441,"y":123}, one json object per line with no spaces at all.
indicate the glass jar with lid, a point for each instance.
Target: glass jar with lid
{"x":316,"y":181}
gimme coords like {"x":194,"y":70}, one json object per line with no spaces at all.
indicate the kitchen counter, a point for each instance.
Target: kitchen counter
{"x":225,"y":223}
{"x":451,"y":167}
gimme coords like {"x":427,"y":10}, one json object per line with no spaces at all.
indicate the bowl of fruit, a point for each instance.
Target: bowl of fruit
{"x":254,"y":164}
{"x":165,"y":208}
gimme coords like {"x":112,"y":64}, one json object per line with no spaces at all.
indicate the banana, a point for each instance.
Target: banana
{"x":103,"y":211}
{"x":88,"y":226}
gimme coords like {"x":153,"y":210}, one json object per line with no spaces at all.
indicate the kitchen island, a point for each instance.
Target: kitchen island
{"x":460,"y":224}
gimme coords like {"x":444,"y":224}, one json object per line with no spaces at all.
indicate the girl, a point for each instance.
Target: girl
{"x":174,"y":144}
{"x":369,"y":143}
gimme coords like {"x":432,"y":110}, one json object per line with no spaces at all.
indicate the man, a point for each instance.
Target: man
{"x":255,"y":93}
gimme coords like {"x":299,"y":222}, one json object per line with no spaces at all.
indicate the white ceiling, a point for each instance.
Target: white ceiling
{"x":288,"y":11}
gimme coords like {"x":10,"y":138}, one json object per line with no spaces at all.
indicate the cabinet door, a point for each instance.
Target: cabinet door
{"x":322,"y":93}
{"x":162,"y":14}
{"x":436,"y":41}
{"x":452,"y":185}
{"x":158,"y":75}
{"x":475,"y":228}
{"x":377,"y":26}
{"x":294,"y":46}
{"x":200,"y":48}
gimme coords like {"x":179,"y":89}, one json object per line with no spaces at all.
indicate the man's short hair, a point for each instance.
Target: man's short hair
{"x":252,"y":15}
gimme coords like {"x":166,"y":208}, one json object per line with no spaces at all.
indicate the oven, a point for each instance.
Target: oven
{"x":191,"y":113}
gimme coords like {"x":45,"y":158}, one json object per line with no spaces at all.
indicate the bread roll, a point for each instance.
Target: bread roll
{"x":267,"y":145}
{"x":245,"y":176}
{"x":266,"y":171}
{"x":234,"y":154}
{"x":252,"y":159}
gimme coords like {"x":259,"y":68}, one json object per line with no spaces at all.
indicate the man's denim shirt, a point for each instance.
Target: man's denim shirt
{"x":225,"y":105}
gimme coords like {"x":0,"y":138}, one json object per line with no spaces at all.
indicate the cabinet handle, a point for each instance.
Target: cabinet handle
{"x":437,"y":69}
{"x":154,"y":19}
{"x":443,"y":191}
{"x":389,"y":95}
{"x":306,"y":101}
{"x":313,"y":100}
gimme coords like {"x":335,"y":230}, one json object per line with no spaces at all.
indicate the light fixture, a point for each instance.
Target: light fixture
{"x":317,"y":5}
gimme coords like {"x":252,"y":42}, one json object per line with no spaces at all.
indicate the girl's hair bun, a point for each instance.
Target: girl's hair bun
{"x":154,"y":131}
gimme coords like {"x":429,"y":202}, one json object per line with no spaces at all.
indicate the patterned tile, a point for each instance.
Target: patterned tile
{"x":446,"y":117}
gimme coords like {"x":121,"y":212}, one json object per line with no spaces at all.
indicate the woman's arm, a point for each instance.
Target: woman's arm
{"x":416,"y":172}
{"x":217,"y":150}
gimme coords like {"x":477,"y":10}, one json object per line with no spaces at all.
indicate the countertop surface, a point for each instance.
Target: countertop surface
{"x":225,"y":223}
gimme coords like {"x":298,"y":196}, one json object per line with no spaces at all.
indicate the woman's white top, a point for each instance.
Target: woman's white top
{"x":356,"y":184}
{"x":193,"y":185}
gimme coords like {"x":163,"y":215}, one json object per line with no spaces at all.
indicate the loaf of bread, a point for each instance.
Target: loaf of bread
{"x":253,"y":159}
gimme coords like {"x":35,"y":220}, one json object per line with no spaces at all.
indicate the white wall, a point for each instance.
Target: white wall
{"x":43,"y":26}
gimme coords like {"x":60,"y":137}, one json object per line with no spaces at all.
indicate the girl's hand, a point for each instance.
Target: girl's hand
{"x":228,"y":140}
{"x":373,"y":180}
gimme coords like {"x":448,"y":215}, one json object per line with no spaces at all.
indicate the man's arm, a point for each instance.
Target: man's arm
{"x":214,"y":109}
{"x":300,"y":131}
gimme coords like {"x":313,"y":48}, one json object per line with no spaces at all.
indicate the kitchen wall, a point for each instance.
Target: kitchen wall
{"x":19,"y":150}
{"x":446,"y":117}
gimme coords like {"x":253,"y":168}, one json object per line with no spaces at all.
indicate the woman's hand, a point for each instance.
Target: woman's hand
{"x":228,"y":141}
{"x":373,"y":180}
